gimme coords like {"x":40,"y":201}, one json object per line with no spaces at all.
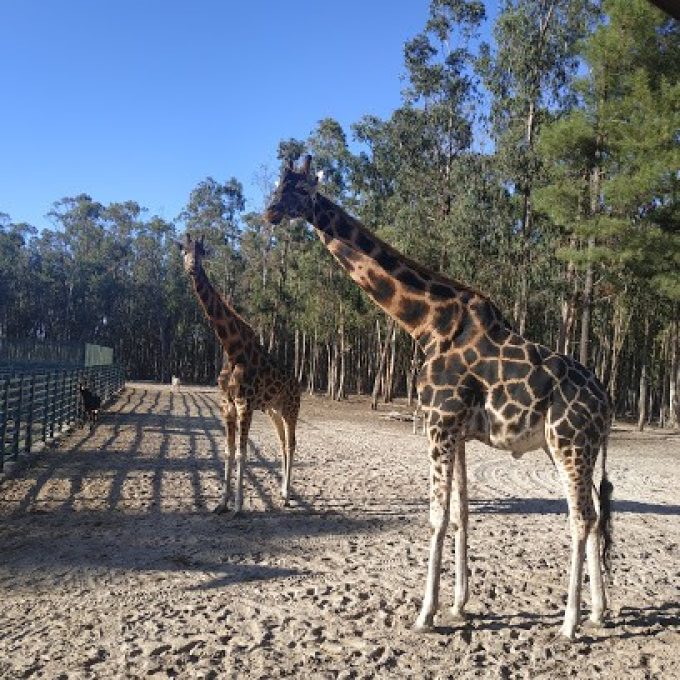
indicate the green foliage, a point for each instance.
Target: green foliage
{"x":501,"y":168}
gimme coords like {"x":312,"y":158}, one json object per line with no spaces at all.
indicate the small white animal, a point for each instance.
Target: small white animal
{"x":175,"y":383}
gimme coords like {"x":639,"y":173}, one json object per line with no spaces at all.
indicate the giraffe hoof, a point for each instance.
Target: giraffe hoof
{"x":458,"y":615}
{"x":423,"y":625}
{"x":595,"y":621}
{"x":567,"y":632}
{"x":221,"y":509}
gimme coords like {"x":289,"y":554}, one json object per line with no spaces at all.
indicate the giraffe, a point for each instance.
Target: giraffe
{"x":250,"y":379}
{"x":480,"y":380}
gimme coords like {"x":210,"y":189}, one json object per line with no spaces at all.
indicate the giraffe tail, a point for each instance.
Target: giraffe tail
{"x":605,"y":494}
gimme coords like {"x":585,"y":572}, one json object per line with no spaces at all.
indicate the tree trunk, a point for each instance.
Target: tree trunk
{"x":359,"y":367}
{"x":389,"y":372}
{"x":642,"y":393}
{"x":621,"y":325}
{"x":412,"y":373}
{"x":303,"y":357}
{"x":568,"y":312}
{"x":674,"y":381}
{"x":521,"y":304}
{"x":272,"y":333}
{"x":586,"y":312}
{"x":340,"y":394}
{"x":381,"y":364}
{"x":330,"y":368}
{"x":313,"y":363}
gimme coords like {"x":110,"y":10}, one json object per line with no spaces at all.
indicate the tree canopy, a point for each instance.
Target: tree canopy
{"x":541,"y":167}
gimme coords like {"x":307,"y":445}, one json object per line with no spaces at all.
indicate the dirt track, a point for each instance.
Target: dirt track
{"x":113,"y":566}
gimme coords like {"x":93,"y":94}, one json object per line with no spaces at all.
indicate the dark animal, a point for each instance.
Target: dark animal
{"x":91,"y":404}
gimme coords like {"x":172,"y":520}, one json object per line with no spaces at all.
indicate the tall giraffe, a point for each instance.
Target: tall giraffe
{"x":480,"y":380}
{"x":250,"y":379}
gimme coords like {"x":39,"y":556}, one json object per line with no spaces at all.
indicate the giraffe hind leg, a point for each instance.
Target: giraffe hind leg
{"x":245,"y":418}
{"x":459,"y":519}
{"x":596,"y":556}
{"x":229,"y":415}
{"x":279,"y":426}
{"x":441,"y":468}
{"x":575,"y":466}
{"x":290,"y":424}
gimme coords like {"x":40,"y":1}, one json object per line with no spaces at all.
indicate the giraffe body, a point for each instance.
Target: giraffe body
{"x":480,"y":380}
{"x":250,"y":380}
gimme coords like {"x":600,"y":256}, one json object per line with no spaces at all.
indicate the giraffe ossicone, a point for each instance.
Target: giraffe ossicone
{"x":250,"y":379}
{"x":479,"y":381}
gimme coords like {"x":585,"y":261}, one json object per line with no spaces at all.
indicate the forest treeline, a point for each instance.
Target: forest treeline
{"x":542,"y":168}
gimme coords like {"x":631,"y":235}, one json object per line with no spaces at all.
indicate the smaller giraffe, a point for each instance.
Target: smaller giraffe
{"x":250,"y":379}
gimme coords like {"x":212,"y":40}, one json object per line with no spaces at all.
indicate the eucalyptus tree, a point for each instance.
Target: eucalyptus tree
{"x":94,"y":259}
{"x":413,"y":174}
{"x":441,"y":99}
{"x":19,"y":298}
{"x":213,"y":210}
{"x":528,"y":73}
{"x":614,"y":160}
{"x":156,"y":301}
{"x":635,"y":89}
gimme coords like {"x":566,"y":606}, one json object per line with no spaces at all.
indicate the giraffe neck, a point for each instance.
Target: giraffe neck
{"x":234,"y":333}
{"x":417,"y":298}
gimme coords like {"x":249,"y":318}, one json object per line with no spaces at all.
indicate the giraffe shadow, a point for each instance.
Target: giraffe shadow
{"x":646,"y":621}
{"x":486,"y":621}
{"x":630,"y":622}
{"x":558,"y":506}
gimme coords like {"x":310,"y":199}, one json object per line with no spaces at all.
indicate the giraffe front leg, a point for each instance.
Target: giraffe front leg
{"x":598,"y":595}
{"x":440,"y":496}
{"x":229,"y":454}
{"x":278,"y":422}
{"x":245,"y":417}
{"x":289,"y":427}
{"x":459,"y":517}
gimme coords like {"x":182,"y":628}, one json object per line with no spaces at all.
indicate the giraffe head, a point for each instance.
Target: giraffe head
{"x":294,"y":195}
{"x":193,"y":252}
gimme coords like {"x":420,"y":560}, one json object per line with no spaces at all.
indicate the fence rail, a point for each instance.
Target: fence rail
{"x":36,"y":406}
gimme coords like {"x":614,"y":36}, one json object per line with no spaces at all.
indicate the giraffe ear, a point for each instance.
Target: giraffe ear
{"x":203,"y":250}
{"x":306,"y":164}
{"x":185,"y":244}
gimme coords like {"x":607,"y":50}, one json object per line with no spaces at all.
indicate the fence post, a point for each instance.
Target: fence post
{"x":29,"y":416}
{"x":17,"y":418}
{"x":70,"y":403}
{"x":52,"y":401}
{"x":46,"y":407}
{"x":3,"y":420}
{"x":62,"y":404}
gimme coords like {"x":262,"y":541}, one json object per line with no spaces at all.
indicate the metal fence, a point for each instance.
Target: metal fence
{"x":37,"y":406}
{"x":31,"y":354}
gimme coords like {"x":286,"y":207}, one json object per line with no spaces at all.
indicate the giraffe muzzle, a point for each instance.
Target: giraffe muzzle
{"x":273,"y":216}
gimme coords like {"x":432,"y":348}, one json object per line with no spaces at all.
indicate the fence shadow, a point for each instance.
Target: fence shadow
{"x":558,"y":506}
{"x":138,"y":438}
{"x":225,"y":551}
{"x":144,"y":436}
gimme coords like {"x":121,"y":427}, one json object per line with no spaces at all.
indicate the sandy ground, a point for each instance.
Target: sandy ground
{"x":113,"y":566}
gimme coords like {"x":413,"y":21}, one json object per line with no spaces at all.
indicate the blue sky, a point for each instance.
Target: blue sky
{"x":141,"y":99}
